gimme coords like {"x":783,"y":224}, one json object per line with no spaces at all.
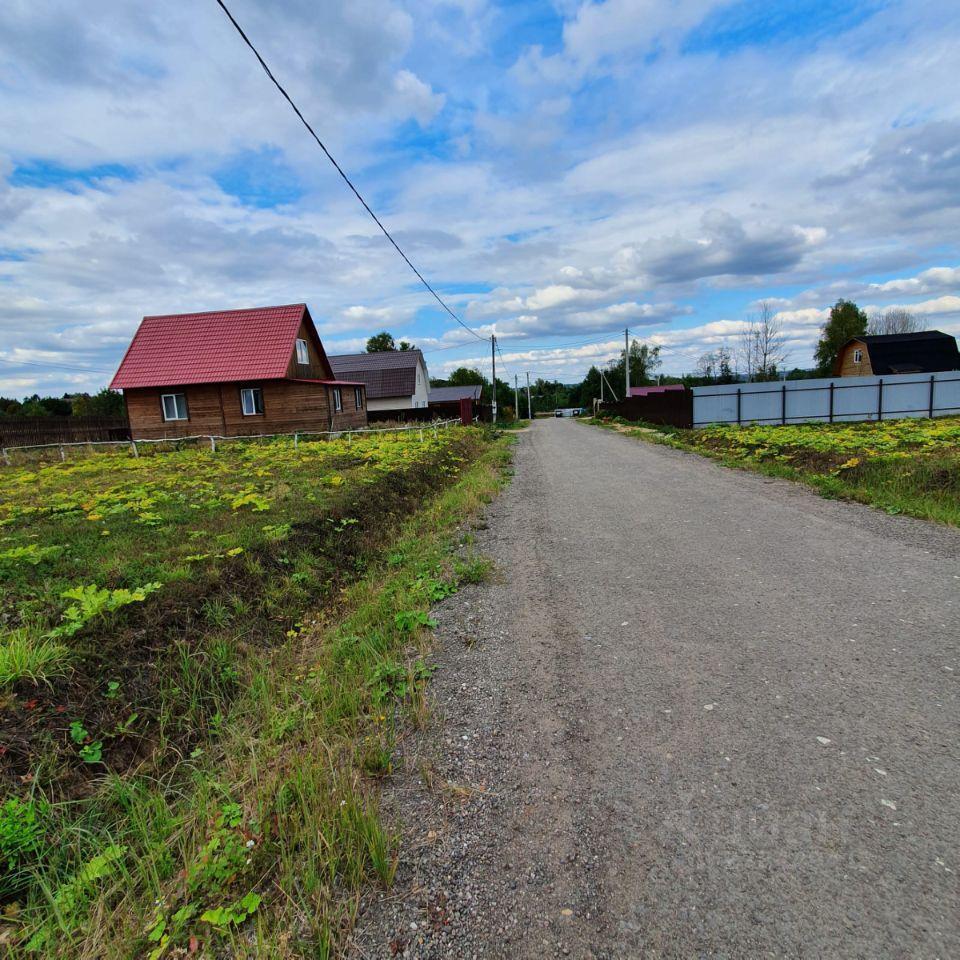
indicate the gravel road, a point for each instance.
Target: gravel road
{"x":695,"y":713}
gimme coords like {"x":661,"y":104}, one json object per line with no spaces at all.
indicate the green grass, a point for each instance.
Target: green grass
{"x":34,"y":659}
{"x":901,"y":466}
{"x":255,"y":836}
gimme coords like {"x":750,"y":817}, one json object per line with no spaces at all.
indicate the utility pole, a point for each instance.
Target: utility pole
{"x":626,"y":361}
{"x":601,"y":388}
{"x":529,"y":408}
{"x":516,"y":399}
{"x":493,"y":364}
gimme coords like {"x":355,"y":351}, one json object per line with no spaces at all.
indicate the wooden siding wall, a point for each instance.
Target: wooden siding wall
{"x":316,"y":370}
{"x":850,"y":369}
{"x":288,"y":407}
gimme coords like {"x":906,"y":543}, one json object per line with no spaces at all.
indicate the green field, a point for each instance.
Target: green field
{"x":902,"y":466}
{"x":205,"y":658}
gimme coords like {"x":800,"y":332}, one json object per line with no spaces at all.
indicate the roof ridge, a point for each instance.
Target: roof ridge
{"x":207,"y":313}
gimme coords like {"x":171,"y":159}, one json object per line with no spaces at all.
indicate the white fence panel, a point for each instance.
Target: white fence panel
{"x":833,"y":399}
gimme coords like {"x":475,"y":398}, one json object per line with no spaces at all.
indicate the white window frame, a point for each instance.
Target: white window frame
{"x":303,"y":354}
{"x":179,"y":407}
{"x":358,"y":397}
{"x":337,"y":400}
{"x":251,"y":394}
{"x":858,"y":356}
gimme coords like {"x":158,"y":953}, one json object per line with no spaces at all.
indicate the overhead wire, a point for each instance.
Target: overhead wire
{"x":58,"y":366}
{"x":341,"y":171}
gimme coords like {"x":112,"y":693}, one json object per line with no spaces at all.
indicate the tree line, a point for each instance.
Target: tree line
{"x":105,"y":403}
{"x":759,"y":353}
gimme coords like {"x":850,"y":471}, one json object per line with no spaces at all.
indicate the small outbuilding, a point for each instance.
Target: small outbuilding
{"x":929,"y":351}
{"x":234,"y":373}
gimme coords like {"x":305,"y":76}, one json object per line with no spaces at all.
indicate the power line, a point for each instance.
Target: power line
{"x":58,"y":366}
{"x":339,"y":170}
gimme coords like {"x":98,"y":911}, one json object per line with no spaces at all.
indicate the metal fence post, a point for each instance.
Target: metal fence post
{"x":783,"y":404}
{"x":880,"y":399}
{"x":133,"y":447}
{"x":830,"y":415}
{"x":296,"y":441}
{"x":6,"y":457}
{"x":213,"y":444}
{"x":63,"y":456}
{"x":738,"y":406}
{"x":933,"y":381}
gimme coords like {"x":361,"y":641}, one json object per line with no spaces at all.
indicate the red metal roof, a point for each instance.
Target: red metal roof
{"x":649,"y":391}
{"x":216,"y":347}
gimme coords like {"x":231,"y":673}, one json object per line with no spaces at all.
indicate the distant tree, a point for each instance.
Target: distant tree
{"x":763,"y":344}
{"x":798,"y":373}
{"x":894,"y":320}
{"x":846,"y":320}
{"x":713,"y":367}
{"x":465,"y":376}
{"x":706,"y":368}
{"x":406,"y":345}
{"x":9,"y":407}
{"x":725,"y":371}
{"x":588,"y":389}
{"x":106,"y":403}
{"x":381,"y":342}
{"x":34,"y":407}
{"x":644,"y":361}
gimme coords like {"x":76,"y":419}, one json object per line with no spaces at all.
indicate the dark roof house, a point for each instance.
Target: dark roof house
{"x":455,"y":394}
{"x":234,"y":373}
{"x":929,"y":351}
{"x":395,"y":379}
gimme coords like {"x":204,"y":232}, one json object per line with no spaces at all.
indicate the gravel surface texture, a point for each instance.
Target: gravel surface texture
{"x":695,"y":713}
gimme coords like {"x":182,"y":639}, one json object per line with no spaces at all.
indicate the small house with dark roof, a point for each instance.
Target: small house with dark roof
{"x":234,"y":373}
{"x":929,"y":351}
{"x":396,"y":380}
{"x":445,"y":401}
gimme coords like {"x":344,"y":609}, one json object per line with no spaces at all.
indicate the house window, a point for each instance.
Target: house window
{"x":858,"y":356}
{"x":251,"y":400}
{"x":174,"y":406}
{"x":358,"y":397}
{"x":337,"y":400}
{"x":303,"y":357}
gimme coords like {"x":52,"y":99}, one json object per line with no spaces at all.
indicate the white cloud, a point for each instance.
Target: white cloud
{"x":620,"y":180}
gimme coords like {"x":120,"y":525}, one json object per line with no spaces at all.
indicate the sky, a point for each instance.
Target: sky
{"x":559,"y":171}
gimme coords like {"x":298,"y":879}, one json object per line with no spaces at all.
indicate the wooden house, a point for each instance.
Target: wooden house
{"x":234,"y":373}
{"x":929,"y":351}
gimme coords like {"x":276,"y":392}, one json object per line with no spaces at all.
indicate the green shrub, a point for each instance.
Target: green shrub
{"x":22,"y":842}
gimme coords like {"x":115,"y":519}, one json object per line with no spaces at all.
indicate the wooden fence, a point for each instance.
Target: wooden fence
{"x":29,"y":431}
{"x":674,"y":407}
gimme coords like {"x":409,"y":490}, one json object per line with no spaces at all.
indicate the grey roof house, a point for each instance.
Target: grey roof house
{"x":455,"y":394}
{"x":394,"y":379}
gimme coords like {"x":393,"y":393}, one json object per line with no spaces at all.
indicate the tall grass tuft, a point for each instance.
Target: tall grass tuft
{"x":25,"y":656}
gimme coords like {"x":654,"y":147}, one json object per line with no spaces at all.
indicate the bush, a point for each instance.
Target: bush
{"x":22,"y":842}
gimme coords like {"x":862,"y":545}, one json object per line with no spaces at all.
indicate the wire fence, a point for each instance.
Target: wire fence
{"x":869,"y":398}
{"x":214,"y":439}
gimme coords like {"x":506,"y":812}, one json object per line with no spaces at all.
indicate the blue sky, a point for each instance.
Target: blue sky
{"x":559,"y":170}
